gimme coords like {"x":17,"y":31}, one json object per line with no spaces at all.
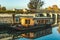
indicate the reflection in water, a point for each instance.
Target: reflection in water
{"x":30,"y":34}
{"x":37,"y":33}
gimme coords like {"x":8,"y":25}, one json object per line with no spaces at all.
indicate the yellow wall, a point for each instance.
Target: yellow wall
{"x":26,"y":25}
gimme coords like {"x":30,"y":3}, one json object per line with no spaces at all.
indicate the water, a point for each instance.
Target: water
{"x":54,"y":36}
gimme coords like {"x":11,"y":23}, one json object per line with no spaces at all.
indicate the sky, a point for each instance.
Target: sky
{"x":21,"y":4}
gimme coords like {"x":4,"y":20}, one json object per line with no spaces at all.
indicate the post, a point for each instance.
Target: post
{"x":59,"y":27}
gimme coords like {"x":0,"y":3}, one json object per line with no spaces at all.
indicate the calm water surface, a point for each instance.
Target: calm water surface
{"x":54,"y":36}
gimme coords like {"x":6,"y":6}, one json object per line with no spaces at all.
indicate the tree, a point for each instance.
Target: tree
{"x":3,"y":8}
{"x":35,"y":4}
{"x":55,"y":8}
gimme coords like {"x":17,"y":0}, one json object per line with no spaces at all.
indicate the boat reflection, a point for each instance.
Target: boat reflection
{"x":37,"y":33}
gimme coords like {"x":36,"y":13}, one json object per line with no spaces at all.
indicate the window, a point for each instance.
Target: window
{"x":41,"y":15}
{"x":27,"y":21}
{"x":17,"y":19}
{"x":48,"y":15}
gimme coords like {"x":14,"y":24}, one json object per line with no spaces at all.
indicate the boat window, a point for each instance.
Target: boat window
{"x":48,"y":15}
{"x":53,"y":15}
{"x":17,"y":19}
{"x":27,"y":21}
{"x":41,"y":21}
{"x":41,"y":15}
